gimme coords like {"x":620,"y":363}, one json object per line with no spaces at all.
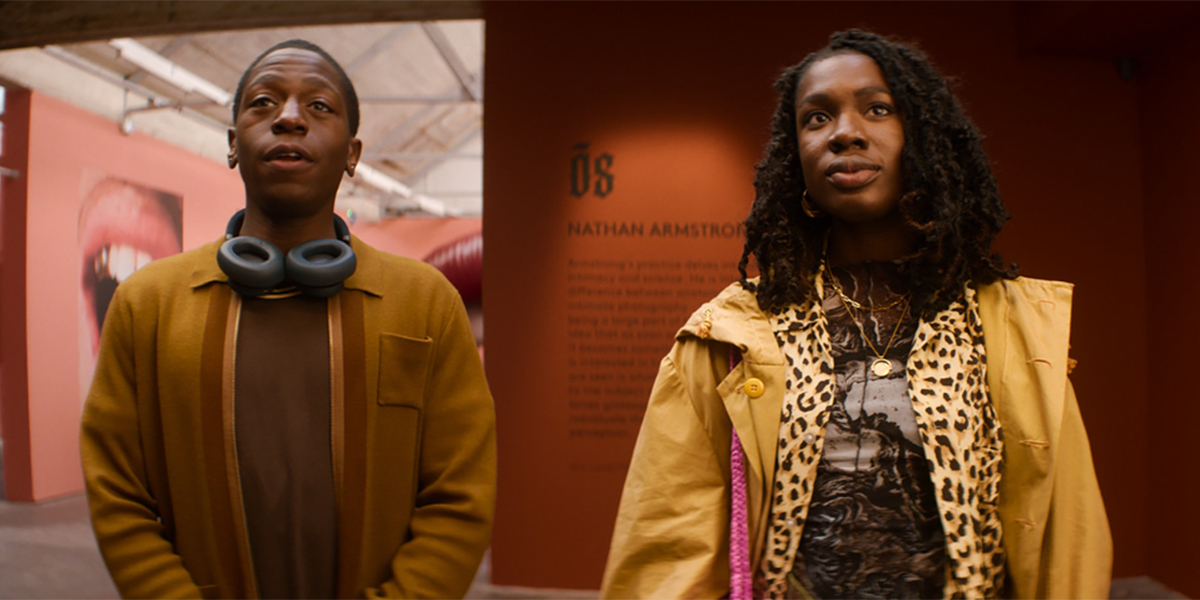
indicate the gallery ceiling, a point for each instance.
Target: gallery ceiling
{"x":420,"y":86}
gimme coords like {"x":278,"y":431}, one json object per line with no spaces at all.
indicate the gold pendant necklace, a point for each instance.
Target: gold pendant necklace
{"x":852,"y":302}
{"x":881,"y":367}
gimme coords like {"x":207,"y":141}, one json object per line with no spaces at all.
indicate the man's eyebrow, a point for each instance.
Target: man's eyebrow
{"x":311,"y":80}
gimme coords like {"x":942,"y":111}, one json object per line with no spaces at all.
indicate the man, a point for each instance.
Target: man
{"x":243,"y":439}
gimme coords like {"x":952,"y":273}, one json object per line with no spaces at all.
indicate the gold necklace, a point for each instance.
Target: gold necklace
{"x":833,"y":281}
{"x":882,"y":367}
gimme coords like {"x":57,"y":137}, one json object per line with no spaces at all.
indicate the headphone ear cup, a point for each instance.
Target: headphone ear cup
{"x":254,"y":266}
{"x":319,"y":267}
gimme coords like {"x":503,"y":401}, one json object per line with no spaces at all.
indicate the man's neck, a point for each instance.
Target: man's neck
{"x":289,"y":232}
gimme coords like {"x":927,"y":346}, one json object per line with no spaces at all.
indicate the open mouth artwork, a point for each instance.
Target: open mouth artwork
{"x":123,"y":226}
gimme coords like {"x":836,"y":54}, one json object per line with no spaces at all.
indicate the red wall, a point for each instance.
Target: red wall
{"x":660,"y":81}
{"x":1169,"y":77}
{"x":13,"y":383}
{"x":40,"y":378}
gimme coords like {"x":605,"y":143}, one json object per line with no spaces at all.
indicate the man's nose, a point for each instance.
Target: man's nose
{"x":290,"y":118}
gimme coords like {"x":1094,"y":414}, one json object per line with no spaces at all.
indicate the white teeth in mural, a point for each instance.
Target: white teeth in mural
{"x":119,"y":262}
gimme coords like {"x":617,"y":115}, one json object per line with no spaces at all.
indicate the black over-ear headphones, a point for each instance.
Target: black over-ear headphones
{"x":255,"y":267}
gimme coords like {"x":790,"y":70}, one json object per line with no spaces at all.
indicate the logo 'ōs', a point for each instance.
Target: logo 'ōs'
{"x":588,"y":175}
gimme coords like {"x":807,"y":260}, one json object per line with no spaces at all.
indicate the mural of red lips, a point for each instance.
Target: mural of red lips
{"x":122,"y":227}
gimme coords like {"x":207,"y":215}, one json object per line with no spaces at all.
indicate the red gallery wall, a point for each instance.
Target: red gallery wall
{"x":1170,"y":79}
{"x":679,"y":95}
{"x":40,"y":371}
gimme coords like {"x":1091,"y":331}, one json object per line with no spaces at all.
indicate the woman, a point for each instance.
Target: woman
{"x":896,"y":400}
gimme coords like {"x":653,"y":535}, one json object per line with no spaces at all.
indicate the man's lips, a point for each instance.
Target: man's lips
{"x":287,"y":156}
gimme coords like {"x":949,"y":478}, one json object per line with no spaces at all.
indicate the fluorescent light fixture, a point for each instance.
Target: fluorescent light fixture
{"x":382,"y":182}
{"x":162,"y":68}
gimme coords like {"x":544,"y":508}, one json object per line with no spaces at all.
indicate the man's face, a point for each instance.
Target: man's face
{"x":292,"y":138}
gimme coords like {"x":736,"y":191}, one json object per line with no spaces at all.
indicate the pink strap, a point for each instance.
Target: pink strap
{"x":739,"y":542}
{"x":740,"y":587}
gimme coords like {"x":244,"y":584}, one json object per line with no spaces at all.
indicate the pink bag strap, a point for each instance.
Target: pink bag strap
{"x":740,"y":580}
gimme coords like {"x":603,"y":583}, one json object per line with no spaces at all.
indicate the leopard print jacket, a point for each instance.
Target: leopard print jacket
{"x":947,"y":381}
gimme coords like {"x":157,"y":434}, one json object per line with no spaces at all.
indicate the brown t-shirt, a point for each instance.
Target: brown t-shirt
{"x":284,"y":451}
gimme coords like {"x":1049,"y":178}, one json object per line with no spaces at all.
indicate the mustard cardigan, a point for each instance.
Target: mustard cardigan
{"x":413,"y":434}
{"x":672,"y":532}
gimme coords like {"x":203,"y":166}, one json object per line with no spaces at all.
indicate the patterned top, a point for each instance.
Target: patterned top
{"x":960,"y":439}
{"x":873,"y":529}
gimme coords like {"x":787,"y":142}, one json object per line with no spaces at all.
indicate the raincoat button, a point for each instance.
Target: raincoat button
{"x":754,"y":387}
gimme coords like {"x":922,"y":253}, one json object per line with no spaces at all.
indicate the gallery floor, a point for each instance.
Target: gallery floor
{"x":47,"y":551}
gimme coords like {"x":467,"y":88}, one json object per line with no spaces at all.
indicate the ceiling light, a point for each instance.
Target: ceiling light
{"x":162,"y":68}
{"x":380,"y":181}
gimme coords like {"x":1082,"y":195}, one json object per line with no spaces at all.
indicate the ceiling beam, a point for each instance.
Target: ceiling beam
{"x":383,"y":44}
{"x":468,"y":82}
{"x":26,"y":23}
{"x":150,"y":95}
{"x":398,"y":132}
{"x":431,"y":165}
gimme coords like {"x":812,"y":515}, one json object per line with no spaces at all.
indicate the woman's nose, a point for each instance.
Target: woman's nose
{"x":847,"y":133}
{"x":290,"y":118}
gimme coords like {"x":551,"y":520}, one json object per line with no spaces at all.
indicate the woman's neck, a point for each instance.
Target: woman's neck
{"x":851,"y":243}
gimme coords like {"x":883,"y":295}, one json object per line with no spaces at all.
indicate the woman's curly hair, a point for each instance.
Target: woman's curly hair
{"x":950,"y":196}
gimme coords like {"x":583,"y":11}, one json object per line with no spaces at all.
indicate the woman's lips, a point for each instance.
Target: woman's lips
{"x":851,"y":172}
{"x":852,"y":180}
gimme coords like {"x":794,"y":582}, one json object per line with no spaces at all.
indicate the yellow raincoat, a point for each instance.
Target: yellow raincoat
{"x":672,"y":532}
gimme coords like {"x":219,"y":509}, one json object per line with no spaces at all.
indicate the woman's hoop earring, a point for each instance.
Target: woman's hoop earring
{"x":807,"y":206}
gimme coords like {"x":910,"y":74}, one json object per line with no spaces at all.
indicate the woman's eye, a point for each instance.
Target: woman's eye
{"x":816,"y":118}
{"x":880,"y":110}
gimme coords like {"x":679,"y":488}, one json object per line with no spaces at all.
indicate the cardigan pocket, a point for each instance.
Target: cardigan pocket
{"x":404,"y":365}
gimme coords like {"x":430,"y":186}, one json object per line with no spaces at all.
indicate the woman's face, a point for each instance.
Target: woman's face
{"x":851,"y":138}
